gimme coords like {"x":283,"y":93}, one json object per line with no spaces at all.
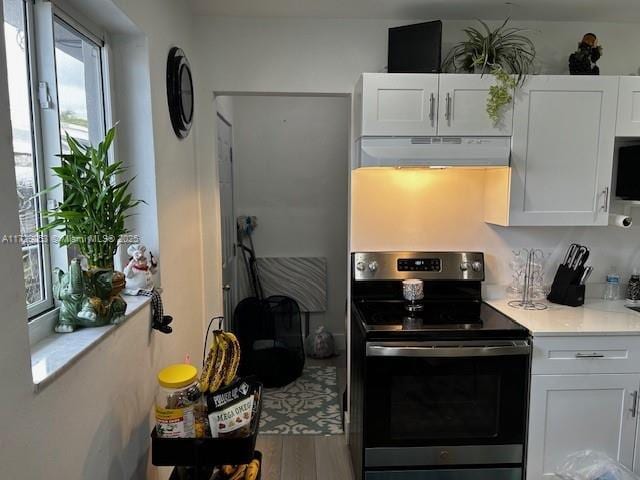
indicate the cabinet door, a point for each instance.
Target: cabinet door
{"x":628,"y":124}
{"x":402,"y":104}
{"x":462,"y":108}
{"x":562,"y":150}
{"x":580,"y":412}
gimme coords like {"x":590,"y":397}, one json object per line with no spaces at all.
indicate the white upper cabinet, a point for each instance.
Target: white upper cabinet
{"x":562,"y":150}
{"x":462,"y":107}
{"x":416,"y":104}
{"x":399,"y":104}
{"x":628,"y":124}
{"x":569,"y":413}
{"x":562,"y":130}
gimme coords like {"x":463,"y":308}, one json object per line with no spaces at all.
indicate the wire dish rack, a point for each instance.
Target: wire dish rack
{"x":532,"y":268}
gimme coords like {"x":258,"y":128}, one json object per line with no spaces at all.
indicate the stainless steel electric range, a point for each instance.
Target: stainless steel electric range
{"x":439,"y":379}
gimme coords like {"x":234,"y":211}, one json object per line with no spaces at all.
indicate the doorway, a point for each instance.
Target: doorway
{"x":290,"y":170}
{"x":227,"y":216}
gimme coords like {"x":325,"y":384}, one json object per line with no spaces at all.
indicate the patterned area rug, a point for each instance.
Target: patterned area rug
{"x":307,"y":406}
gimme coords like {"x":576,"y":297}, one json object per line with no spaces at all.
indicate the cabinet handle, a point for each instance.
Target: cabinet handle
{"x":634,"y":405}
{"x":589,"y":355}
{"x":447,"y":110}
{"x":605,"y":204}
{"x":432,"y":101}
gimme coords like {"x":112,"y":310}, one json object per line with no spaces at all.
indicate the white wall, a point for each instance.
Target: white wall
{"x":555,"y":41}
{"x":93,"y":422}
{"x":225,"y":106}
{"x":291,"y":171}
{"x":135,"y":141}
{"x":443,"y":210}
{"x":327,"y":56}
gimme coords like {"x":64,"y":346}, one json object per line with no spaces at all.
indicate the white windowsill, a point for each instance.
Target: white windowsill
{"x":57,"y":352}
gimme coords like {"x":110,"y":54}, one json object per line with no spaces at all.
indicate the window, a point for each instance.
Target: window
{"x":56,"y":85}
{"x":79,"y":74}
{"x":34,"y":258}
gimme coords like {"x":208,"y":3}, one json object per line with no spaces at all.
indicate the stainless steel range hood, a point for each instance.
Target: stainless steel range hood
{"x":432,"y":152}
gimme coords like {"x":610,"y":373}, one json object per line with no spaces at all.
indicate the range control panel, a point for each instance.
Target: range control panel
{"x":422,"y":265}
{"x":419,"y":265}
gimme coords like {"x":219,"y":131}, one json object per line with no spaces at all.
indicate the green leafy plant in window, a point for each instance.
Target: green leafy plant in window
{"x":91,"y":217}
{"x":96,"y":203}
{"x":505,"y":52}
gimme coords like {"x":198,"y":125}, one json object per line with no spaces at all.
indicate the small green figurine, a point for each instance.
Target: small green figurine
{"x":88,"y":298}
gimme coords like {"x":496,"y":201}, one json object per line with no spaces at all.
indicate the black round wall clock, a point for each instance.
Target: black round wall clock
{"x":179,"y":92}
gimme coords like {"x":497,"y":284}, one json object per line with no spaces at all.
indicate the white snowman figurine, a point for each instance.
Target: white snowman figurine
{"x":139,"y":281}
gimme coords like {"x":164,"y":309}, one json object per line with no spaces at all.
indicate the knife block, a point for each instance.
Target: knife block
{"x":566,"y":288}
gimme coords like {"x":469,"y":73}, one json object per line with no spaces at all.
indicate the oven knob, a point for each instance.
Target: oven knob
{"x":360,"y":266}
{"x":464,"y":267}
{"x":373,"y":266}
{"x":476,"y":266}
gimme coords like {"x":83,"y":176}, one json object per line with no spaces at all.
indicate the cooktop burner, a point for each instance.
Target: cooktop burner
{"x":431,"y":316}
{"x":469,"y":319}
{"x":410,"y":321}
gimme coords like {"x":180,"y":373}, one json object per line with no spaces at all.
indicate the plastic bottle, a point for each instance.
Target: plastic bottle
{"x":612,"y":289}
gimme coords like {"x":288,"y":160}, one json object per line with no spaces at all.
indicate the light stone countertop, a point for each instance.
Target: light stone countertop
{"x":595,"y":317}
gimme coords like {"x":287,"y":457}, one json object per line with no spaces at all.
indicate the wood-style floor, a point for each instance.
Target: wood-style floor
{"x":304,"y":457}
{"x":308,"y":457}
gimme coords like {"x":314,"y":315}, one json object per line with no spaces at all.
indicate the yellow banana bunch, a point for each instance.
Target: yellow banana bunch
{"x":229,"y":470}
{"x":222,"y":362}
{"x":239,"y":473}
{"x":242,"y":472}
{"x":217,"y":375}
{"x":234,"y":357}
{"x":252,"y":470}
{"x":205,"y":376}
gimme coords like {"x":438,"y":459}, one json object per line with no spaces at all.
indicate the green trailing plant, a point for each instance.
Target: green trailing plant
{"x":500,"y":93}
{"x":505,"y":52}
{"x":96,"y":204}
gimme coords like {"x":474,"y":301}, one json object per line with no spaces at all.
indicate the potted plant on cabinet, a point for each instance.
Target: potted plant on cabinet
{"x":92,"y":218}
{"x":504,"y":52}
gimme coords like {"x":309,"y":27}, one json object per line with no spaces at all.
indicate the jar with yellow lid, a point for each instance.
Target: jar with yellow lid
{"x":177,"y":396}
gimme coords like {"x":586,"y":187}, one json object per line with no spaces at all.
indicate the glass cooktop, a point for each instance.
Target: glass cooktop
{"x":472,"y":317}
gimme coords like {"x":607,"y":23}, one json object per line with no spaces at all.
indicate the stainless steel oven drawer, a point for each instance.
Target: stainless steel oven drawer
{"x":465,"y":474}
{"x":443,"y":455}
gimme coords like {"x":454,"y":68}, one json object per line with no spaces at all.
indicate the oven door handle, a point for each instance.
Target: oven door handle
{"x":461,"y":350}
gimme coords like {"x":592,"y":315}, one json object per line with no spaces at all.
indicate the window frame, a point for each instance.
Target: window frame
{"x":42,"y":15}
{"x":47,"y":303}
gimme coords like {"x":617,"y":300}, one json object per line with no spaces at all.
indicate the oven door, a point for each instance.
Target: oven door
{"x":445,"y":403}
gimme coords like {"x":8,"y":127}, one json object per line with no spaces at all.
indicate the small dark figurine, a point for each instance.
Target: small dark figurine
{"x":583,"y":61}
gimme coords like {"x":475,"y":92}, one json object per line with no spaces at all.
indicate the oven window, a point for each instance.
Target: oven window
{"x":461,"y":405}
{"x":413,"y":401}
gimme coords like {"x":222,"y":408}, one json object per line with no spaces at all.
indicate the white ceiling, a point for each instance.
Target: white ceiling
{"x":561,"y":10}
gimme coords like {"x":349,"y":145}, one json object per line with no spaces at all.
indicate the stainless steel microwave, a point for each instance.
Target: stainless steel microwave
{"x":628,"y":180}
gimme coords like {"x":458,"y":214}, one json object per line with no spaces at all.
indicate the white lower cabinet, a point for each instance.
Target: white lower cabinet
{"x":584,"y":396}
{"x":580,"y":412}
